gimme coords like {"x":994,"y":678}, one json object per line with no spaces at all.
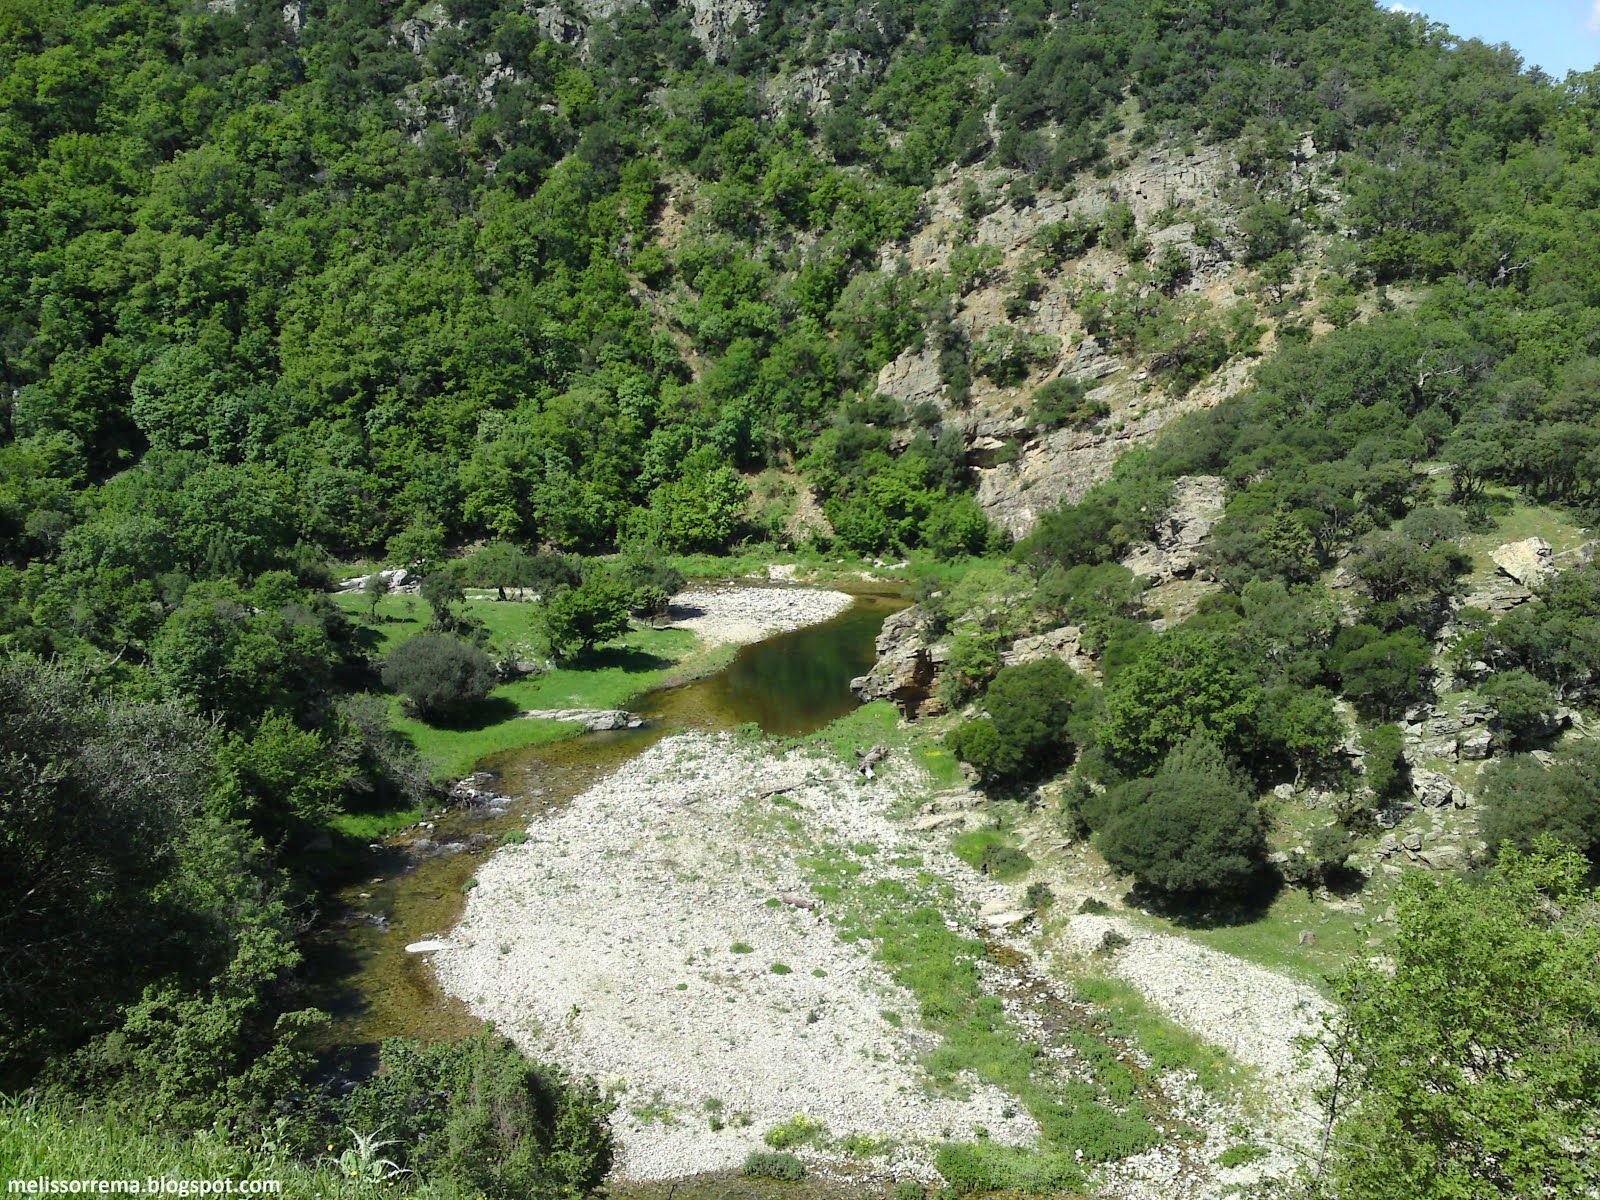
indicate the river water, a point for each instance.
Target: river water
{"x":789,"y":685}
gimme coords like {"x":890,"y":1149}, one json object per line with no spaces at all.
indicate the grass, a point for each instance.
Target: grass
{"x":992,"y":852}
{"x":1129,"y":1018}
{"x":37,"y":1140}
{"x":612,"y":676}
{"x":977,"y":1039}
{"x":879,"y":724}
{"x":1273,"y":939}
{"x":1519,"y":521}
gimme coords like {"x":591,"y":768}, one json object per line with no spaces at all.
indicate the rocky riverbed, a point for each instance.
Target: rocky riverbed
{"x":658,"y":934}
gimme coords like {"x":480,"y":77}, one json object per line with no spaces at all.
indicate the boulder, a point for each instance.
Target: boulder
{"x":908,"y":667}
{"x":1475,"y":744}
{"x":1446,"y":858}
{"x":1432,"y":789}
{"x":1528,"y":561}
{"x":595,"y":720}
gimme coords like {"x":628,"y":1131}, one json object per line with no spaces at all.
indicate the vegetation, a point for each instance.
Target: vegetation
{"x":429,"y":287}
{"x":1446,"y":1081}
{"x":438,"y":673}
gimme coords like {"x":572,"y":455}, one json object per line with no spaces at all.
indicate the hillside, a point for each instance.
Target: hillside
{"x":1221,"y":379}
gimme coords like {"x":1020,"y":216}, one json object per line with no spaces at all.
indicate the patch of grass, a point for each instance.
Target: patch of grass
{"x":611,"y":676}
{"x":741,"y":948}
{"x":879,"y":724}
{"x":762,"y":1164}
{"x":1272,"y":939}
{"x":779,"y":968}
{"x":970,"y":1167}
{"x":39,"y":1140}
{"x":1129,"y":1018}
{"x":991,"y":851}
{"x":941,"y":968}
{"x":1241,"y":1155}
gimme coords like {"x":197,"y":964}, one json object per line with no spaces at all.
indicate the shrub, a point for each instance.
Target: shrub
{"x":1524,"y":800}
{"x":1035,"y":716}
{"x":766,"y":1164}
{"x":480,"y":1115}
{"x":799,"y":1130}
{"x":438,"y":673}
{"x":1064,"y":403}
{"x":583,"y":617}
{"x":1193,"y":827}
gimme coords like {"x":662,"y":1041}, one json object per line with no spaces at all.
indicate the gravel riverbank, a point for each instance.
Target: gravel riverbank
{"x":739,"y":615}
{"x":658,"y":934}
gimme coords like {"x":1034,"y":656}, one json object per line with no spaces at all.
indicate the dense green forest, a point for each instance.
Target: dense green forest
{"x":519,"y":297}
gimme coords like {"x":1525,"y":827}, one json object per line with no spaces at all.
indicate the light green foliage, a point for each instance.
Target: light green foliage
{"x":507,"y":1128}
{"x":578,"y":619}
{"x":1472,"y":1067}
{"x":1181,"y":683}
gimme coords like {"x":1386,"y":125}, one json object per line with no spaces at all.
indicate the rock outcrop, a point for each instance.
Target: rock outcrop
{"x":1064,"y":643}
{"x":1529,"y":561}
{"x":595,"y":720}
{"x":399,"y":579}
{"x":1197,"y":505}
{"x":910,"y":660}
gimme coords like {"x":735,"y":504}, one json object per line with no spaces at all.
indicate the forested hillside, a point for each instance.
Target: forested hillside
{"x":1244,"y":356}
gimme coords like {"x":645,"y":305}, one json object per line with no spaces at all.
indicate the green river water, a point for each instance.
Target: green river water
{"x":791,"y":684}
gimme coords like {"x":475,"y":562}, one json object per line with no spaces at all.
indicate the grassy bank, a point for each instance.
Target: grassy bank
{"x":613,"y":676}
{"x":41,"y":1141}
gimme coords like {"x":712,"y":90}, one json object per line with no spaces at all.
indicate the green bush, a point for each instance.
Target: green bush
{"x":479,"y":1114}
{"x":1037,"y":713}
{"x":767,"y":1164}
{"x":581,"y":618}
{"x":438,"y":673}
{"x":1193,"y":827}
{"x":1064,"y":403}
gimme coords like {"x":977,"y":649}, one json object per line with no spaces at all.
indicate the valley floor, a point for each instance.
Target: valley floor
{"x":673,"y":933}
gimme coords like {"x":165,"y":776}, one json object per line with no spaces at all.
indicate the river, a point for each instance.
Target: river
{"x":788,"y":685}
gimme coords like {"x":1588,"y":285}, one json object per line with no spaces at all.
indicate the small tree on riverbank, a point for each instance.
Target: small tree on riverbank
{"x":438,"y":674}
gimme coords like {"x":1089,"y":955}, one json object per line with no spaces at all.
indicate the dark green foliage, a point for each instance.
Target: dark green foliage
{"x":1064,"y":404}
{"x":481,"y":1116}
{"x":970,"y":1167}
{"x":438,"y":673}
{"x":1524,"y":705}
{"x":1383,"y":749}
{"x":1525,"y":800}
{"x":774,"y":1164}
{"x":135,"y":904}
{"x":1192,"y":827}
{"x":1382,"y":674}
{"x":1038,"y":713}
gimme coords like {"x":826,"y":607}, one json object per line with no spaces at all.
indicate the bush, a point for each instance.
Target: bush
{"x":1524,"y":800}
{"x":1037,"y":713}
{"x":1064,"y":403}
{"x":479,"y":1114}
{"x":438,"y":673}
{"x":1193,"y":827}
{"x":766,"y":1164}
{"x":1524,"y":705}
{"x":1387,"y":773}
